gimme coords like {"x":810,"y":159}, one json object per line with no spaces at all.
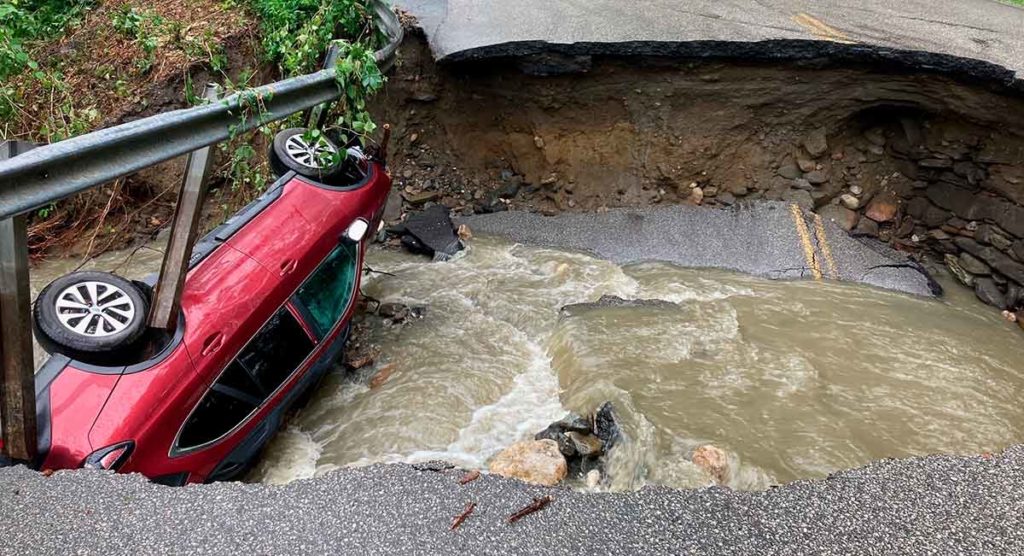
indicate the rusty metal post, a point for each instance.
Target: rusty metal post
{"x":163,"y":313}
{"x":17,"y":389}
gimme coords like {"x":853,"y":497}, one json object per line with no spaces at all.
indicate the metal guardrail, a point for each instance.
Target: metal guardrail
{"x":46,"y":174}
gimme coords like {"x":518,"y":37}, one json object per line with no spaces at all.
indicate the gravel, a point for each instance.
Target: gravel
{"x":929,"y":505}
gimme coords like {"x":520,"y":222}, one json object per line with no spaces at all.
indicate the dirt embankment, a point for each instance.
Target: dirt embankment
{"x":927,"y":162}
{"x":126,"y":60}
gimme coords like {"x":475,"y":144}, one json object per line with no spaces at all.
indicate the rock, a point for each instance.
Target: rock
{"x":799,"y":197}
{"x":739,"y":190}
{"x":961,"y":275}
{"x":816,"y":177}
{"x":593,"y":479}
{"x":790,"y":171}
{"x":988,"y":292}
{"x":510,"y":188}
{"x":1018,"y":249}
{"x":558,"y":436}
{"x":393,"y":311}
{"x":866,"y":227}
{"x":816,"y":142}
{"x":393,"y":207}
{"x":422,"y":197}
{"x":917,"y":206}
{"x":433,"y":229}
{"x":951,"y":198}
{"x":801,"y":183}
{"x":713,"y":460}
{"x":806,"y":164}
{"x":993,"y":258}
{"x":935,"y":163}
{"x":606,"y":426}
{"x":585,"y":445}
{"x":856,"y":190}
{"x":696,"y":196}
{"x":844,"y":217}
{"x":539,"y":141}
{"x":934,"y":216}
{"x":972,"y":264}
{"x":710,"y":191}
{"x":849,"y":201}
{"x":883,"y":207}
{"x":992,"y":235}
{"x":726,"y":198}
{"x":464,"y":233}
{"x":875,"y":136}
{"x":534,"y":461}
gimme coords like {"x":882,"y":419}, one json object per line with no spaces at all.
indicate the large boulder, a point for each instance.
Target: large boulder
{"x":534,"y":461}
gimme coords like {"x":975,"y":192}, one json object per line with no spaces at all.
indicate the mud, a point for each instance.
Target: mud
{"x":581,"y":132}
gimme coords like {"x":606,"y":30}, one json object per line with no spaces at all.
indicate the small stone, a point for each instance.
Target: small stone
{"x":883,"y":207}
{"x":816,"y":142}
{"x":875,"y":136}
{"x":789,"y":171}
{"x":709,"y":191}
{"x":534,"y":461}
{"x":739,"y":190}
{"x":726,"y":198}
{"x":972,"y":264}
{"x":801,"y":183}
{"x":844,"y":217}
{"x":539,"y":141}
{"x":593,"y":478}
{"x":696,"y":196}
{"x":856,"y":190}
{"x":713,"y":460}
{"x":816,"y":177}
{"x":961,"y":275}
{"x":806,"y":164}
{"x":988,"y":292}
{"x":799,"y":197}
{"x":867,"y":227}
{"x":421,"y":197}
{"x":413,"y":138}
{"x":464,"y":233}
{"x":586,"y":445}
{"x":407,"y":173}
{"x":849,"y":201}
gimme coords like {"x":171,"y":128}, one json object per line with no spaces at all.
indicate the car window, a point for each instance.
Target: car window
{"x":265,"y":363}
{"x":328,"y":291}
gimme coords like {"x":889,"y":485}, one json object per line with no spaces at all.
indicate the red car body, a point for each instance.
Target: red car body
{"x":247,"y":279}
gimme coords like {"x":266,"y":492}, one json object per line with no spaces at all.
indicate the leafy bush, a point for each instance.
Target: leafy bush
{"x":25,"y":21}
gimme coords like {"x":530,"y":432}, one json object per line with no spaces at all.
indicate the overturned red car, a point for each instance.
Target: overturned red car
{"x":265,"y":313}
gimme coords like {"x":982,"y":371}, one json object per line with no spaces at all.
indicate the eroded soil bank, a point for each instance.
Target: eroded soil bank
{"x":929,"y":163}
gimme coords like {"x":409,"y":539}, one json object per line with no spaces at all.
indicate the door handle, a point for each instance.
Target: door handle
{"x":213,"y":343}
{"x":288,"y":266}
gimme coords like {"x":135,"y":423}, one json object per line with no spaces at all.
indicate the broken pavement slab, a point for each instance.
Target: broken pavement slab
{"x":763,"y":239}
{"x":980,"y":37}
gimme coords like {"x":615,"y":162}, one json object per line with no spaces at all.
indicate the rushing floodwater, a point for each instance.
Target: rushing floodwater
{"x":792,"y":379}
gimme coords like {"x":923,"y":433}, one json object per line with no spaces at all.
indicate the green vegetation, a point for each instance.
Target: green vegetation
{"x":23,"y":22}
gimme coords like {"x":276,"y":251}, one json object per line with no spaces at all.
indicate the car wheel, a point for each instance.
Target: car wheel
{"x":296,"y":149}
{"x":90,"y":312}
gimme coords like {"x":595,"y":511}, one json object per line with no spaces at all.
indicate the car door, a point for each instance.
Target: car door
{"x":272,"y":355}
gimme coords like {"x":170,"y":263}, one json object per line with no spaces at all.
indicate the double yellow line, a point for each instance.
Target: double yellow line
{"x":810,"y":253}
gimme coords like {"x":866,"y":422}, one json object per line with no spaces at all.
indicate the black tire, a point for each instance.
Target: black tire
{"x":283,"y":157}
{"x":113,"y":317}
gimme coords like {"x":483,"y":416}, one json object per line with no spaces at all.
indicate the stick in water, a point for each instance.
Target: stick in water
{"x":462,"y":517}
{"x":537,"y":505}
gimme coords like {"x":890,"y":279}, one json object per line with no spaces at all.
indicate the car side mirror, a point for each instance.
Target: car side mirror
{"x":356,"y":231}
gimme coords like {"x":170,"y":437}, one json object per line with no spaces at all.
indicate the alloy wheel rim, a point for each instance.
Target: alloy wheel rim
{"x":94,"y":309}
{"x":313,"y":155}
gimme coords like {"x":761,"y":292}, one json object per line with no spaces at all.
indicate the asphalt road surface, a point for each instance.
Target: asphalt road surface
{"x":773,"y":240}
{"x":932,"y":505}
{"x":985,"y":30}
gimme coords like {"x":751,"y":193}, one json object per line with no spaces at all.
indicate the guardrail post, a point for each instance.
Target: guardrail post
{"x":17,"y":391}
{"x":316,"y":116}
{"x":166,"y":304}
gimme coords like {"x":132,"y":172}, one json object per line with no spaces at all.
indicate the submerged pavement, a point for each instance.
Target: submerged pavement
{"x":985,"y":30}
{"x":930,"y":505}
{"x":768,"y":239}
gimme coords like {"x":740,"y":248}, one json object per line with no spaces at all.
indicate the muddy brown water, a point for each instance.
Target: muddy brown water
{"x":793,"y":379}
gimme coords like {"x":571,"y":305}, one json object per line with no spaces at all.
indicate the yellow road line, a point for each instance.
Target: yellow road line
{"x":826,"y":249}
{"x":820,"y":29}
{"x":805,"y":240}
